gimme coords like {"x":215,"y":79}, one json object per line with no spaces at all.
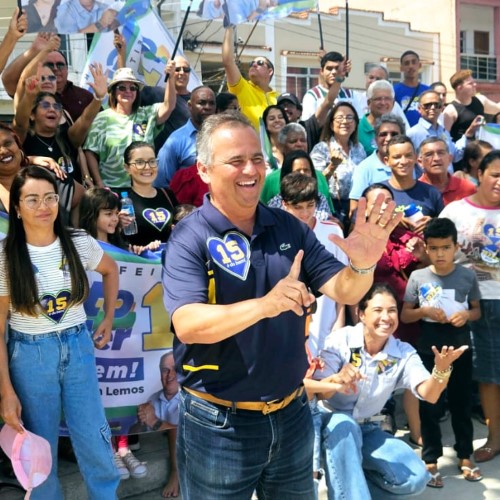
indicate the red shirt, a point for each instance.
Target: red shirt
{"x":456,"y":189}
{"x":188,"y":186}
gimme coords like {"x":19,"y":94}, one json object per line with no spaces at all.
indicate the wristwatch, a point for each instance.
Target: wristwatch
{"x":98,"y":25}
{"x":157,"y":425}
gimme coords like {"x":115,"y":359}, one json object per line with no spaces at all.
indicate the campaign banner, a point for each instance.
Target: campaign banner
{"x":148,"y":47}
{"x":75,"y":16}
{"x":490,"y":133}
{"x":128,"y":368}
{"x":241,"y":11}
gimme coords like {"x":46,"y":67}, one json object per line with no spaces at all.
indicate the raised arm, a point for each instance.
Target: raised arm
{"x":121,"y":50}
{"x":12,"y":73}
{"x":233,"y":74}
{"x":17,"y":28}
{"x":78,"y":131}
{"x":23,"y":108}
{"x":169,"y":98}
{"x":364,"y":247}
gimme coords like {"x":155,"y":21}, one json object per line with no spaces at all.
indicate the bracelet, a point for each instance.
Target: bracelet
{"x":87,"y":177}
{"x":441,"y":376}
{"x":360,"y":270}
{"x":99,"y":98}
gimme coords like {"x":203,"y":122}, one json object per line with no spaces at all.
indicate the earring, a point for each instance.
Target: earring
{"x":18,"y":215}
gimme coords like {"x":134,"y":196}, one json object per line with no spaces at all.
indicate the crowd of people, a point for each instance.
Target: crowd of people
{"x":348,"y":247}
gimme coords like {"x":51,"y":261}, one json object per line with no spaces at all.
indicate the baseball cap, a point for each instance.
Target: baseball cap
{"x":288,"y":96}
{"x":30,"y":456}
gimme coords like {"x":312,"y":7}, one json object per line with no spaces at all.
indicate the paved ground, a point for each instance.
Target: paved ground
{"x":154,"y":451}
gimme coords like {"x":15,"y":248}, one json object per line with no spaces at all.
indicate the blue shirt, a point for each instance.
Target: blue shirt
{"x":178,"y":152}
{"x":403,"y":94}
{"x":396,"y":366}
{"x":267,"y":360}
{"x":424,"y":129}
{"x":368,"y":172}
{"x":72,"y":17}
{"x":424,"y":196}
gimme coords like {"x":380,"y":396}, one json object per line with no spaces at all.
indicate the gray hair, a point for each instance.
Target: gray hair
{"x":378,"y":66}
{"x":433,"y":140}
{"x":390,"y":118}
{"x":210,"y":126}
{"x":290,"y":128}
{"x":379,"y":85}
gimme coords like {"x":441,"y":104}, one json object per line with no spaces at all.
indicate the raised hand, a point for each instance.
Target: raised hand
{"x":443,"y":359}
{"x":366,"y":243}
{"x":100,"y":83}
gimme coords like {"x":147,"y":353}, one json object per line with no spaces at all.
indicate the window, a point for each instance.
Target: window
{"x":300,"y":80}
{"x":481,"y":42}
{"x":463,"y":42}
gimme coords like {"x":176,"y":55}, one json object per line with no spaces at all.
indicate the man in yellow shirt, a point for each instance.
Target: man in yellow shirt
{"x":254,"y":95}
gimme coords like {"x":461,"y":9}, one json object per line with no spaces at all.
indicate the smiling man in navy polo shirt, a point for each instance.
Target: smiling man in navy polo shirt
{"x":237,"y":280}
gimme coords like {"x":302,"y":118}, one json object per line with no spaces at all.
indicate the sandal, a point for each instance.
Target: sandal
{"x":485,"y":453}
{"x":436,"y":481}
{"x":472,"y":474}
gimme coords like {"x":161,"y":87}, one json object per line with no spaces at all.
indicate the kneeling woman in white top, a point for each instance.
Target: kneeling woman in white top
{"x":48,"y":366}
{"x":363,"y":365}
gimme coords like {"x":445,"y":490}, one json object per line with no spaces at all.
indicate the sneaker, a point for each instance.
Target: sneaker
{"x":134,"y":443}
{"x":122,"y":468}
{"x":137,"y":469}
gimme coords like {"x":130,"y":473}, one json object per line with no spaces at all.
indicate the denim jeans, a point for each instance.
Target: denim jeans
{"x":54,"y":373}
{"x":365,"y":462}
{"x":228,"y":454}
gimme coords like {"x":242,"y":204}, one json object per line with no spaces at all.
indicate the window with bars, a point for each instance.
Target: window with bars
{"x":300,"y":79}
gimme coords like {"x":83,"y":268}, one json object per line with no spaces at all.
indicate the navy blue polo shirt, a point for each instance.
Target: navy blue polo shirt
{"x":208,"y":261}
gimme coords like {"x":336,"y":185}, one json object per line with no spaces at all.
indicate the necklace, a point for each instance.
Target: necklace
{"x":48,"y":146}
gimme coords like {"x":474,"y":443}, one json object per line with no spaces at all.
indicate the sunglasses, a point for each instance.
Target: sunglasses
{"x":54,"y":66}
{"x":429,"y":105}
{"x":49,"y":78}
{"x":51,"y":105}
{"x":259,"y":62}
{"x":125,"y":88}
{"x":180,"y":68}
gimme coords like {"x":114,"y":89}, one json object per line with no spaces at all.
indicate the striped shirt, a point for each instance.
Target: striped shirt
{"x":53,"y":281}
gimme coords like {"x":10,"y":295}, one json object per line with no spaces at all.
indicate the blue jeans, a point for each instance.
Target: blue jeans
{"x":226,"y":454}
{"x":365,"y":462}
{"x":54,"y":373}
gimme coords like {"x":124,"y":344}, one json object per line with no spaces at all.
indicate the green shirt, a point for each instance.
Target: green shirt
{"x":272,"y":187}
{"x":111,"y":133}
{"x":366,"y":136}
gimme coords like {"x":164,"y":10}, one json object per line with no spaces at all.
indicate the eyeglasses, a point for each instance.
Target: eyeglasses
{"x":51,"y":105}
{"x":53,"y":66}
{"x":388,"y":134}
{"x":34,"y":202}
{"x":49,"y":78}
{"x":127,"y":88}
{"x":429,"y":105}
{"x":344,"y":118}
{"x":259,"y":62}
{"x":141,"y":164}
{"x":181,"y":68}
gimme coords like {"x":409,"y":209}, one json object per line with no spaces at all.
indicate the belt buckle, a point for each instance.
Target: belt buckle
{"x":270,"y":406}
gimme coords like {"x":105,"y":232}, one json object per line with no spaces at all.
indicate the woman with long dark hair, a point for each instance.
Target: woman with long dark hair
{"x":47,"y":367}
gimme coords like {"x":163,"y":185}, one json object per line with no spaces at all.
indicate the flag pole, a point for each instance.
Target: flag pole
{"x":321,"y":42}
{"x":179,"y":36}
{"x":347,"y":29}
